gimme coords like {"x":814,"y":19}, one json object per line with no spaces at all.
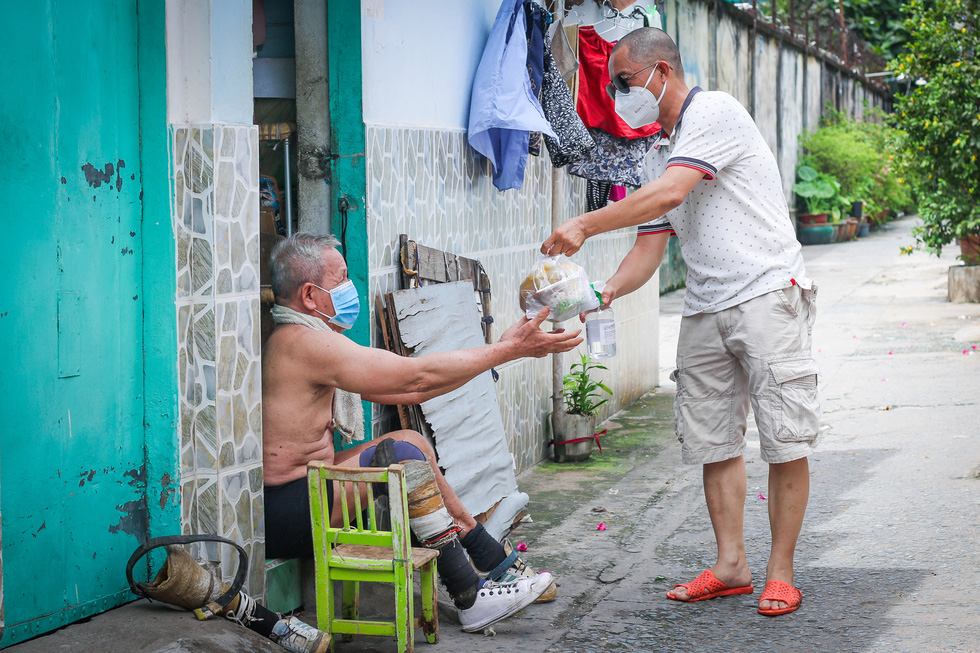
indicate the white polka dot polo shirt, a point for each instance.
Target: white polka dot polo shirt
{"x":734,"y":227}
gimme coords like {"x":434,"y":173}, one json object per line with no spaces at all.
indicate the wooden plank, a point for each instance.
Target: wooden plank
{"x":420,"y":263}
{"x":384,"y":319}
{"x":466,"y":422}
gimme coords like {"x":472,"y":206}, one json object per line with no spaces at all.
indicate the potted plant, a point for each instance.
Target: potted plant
{"x":817,"y":191}
{"x":576,"y":427}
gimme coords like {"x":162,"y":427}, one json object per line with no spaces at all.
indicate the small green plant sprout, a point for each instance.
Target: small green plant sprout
{"x":581,"y":391}
{"x":817,"y":190}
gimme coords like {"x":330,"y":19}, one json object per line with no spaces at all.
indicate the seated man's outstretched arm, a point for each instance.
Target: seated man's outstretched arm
{"x":378,"y":375}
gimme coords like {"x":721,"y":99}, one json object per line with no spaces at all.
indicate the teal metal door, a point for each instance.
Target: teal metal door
{"x":72,"y":440}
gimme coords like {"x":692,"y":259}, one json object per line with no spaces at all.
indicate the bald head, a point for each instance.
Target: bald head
{"x":648,"y":45}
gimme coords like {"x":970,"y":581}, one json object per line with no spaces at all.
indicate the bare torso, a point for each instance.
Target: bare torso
{"x":297,"y":412}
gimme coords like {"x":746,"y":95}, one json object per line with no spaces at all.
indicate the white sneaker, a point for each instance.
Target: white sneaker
{"x":299,"y":637}
{"x":496,"y":601}
{"x":520,"y":569}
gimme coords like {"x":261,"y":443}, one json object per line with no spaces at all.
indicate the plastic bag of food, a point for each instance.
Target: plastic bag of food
{"x":559,"y":284}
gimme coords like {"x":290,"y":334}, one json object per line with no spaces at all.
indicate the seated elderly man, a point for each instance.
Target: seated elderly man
{"x":307,"y":359}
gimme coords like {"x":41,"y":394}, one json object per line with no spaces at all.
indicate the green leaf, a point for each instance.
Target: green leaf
{"x":806,"y":173}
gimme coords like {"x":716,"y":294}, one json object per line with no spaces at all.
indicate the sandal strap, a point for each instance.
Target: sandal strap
{"x":777,"y":590}
{"x":703,"y":584}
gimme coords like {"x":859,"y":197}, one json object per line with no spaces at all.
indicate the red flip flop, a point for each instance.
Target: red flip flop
{"x":777,"y":590}
{"x":706,"y":586}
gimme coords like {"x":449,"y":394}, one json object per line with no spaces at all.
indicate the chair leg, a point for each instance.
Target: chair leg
{"x":404,"y":609}
{"x":350,"y":608}
{"x":430,"y":610}
{"x":324,"y":605}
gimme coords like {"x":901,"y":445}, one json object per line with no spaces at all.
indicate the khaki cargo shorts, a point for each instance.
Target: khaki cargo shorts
{"x":758,"y":351}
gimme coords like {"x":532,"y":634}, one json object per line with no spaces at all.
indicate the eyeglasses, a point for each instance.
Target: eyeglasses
{"x":619,"y":82}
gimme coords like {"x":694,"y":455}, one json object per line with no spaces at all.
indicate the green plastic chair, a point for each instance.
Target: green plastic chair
{"x":359,"y":552}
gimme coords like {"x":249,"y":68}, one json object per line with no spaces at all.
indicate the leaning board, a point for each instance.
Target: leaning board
{"x":466,"y":424}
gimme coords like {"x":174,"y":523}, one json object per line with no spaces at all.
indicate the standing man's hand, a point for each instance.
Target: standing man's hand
{"x":566,"y":239}
{"x":528,"y":339}
{"x":609,"y":292}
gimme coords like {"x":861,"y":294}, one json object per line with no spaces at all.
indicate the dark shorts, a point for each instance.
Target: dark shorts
{"x":288,"y":531}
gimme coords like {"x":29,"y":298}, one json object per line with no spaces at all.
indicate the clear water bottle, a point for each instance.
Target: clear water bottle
{"x":600,"y":331}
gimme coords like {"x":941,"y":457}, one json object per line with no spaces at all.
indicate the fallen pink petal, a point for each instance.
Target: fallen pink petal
{"x":905,"y":324}
{"x":600,"y":527}
{"x":522,"y":546}
{"x":762,"y":497}
{"x":883,"y":379}
{"x":889,"y":352}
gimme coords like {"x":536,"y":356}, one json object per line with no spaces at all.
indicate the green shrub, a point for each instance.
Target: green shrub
{"x":940,"y":117}
{"x":863,"y":156}
{"x":844,"y":152}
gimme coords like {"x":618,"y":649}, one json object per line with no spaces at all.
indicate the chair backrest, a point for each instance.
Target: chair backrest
{"x":355,"y":529}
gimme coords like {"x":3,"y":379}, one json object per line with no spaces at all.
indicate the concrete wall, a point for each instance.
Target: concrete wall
{"x":418,"y":69}
{"x":425,"y":181}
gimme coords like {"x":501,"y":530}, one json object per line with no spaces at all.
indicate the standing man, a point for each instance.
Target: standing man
{"x":748,"y":311}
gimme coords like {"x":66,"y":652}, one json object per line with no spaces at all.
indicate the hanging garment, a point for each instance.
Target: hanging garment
{"x":596,"y":194}
{"x":537,"y":20}
{"x":594,"y":104}
{"x":561,"y":49}
{"x":617,"y":193}
{"x":617,"y":160}
{"x":503,"y":110}
{"x":556,"y":101}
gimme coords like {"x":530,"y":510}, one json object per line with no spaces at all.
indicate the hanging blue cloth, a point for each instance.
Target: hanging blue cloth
{"x":503,"y":109}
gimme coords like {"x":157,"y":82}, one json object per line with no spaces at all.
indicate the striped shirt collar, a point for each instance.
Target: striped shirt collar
{"x":664,"y":137}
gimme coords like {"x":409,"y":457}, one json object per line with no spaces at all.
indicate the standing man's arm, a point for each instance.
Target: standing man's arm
{"x":637,"y":267}
{"x":647,"y":203}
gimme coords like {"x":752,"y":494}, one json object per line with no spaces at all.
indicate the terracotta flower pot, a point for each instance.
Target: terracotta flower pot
{"x":970,"y":249}
{"x":813,"y":218}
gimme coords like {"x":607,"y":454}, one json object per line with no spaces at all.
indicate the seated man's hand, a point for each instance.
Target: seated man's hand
{"x":530,"y":340}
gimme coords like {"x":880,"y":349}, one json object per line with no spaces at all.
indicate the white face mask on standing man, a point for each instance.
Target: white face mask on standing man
{"x":636,"y":105}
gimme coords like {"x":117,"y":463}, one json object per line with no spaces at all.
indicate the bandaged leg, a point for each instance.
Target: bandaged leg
{"x":427,"y":514}
{"x":434,"y":527}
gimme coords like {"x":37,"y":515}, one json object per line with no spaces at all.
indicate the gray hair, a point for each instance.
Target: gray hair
{"x":647,"y":45}
{"x":298,"y":260}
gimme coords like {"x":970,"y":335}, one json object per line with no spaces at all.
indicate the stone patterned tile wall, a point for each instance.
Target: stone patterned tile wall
{"x":429,"y":184}
{"x":215,"y":219}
